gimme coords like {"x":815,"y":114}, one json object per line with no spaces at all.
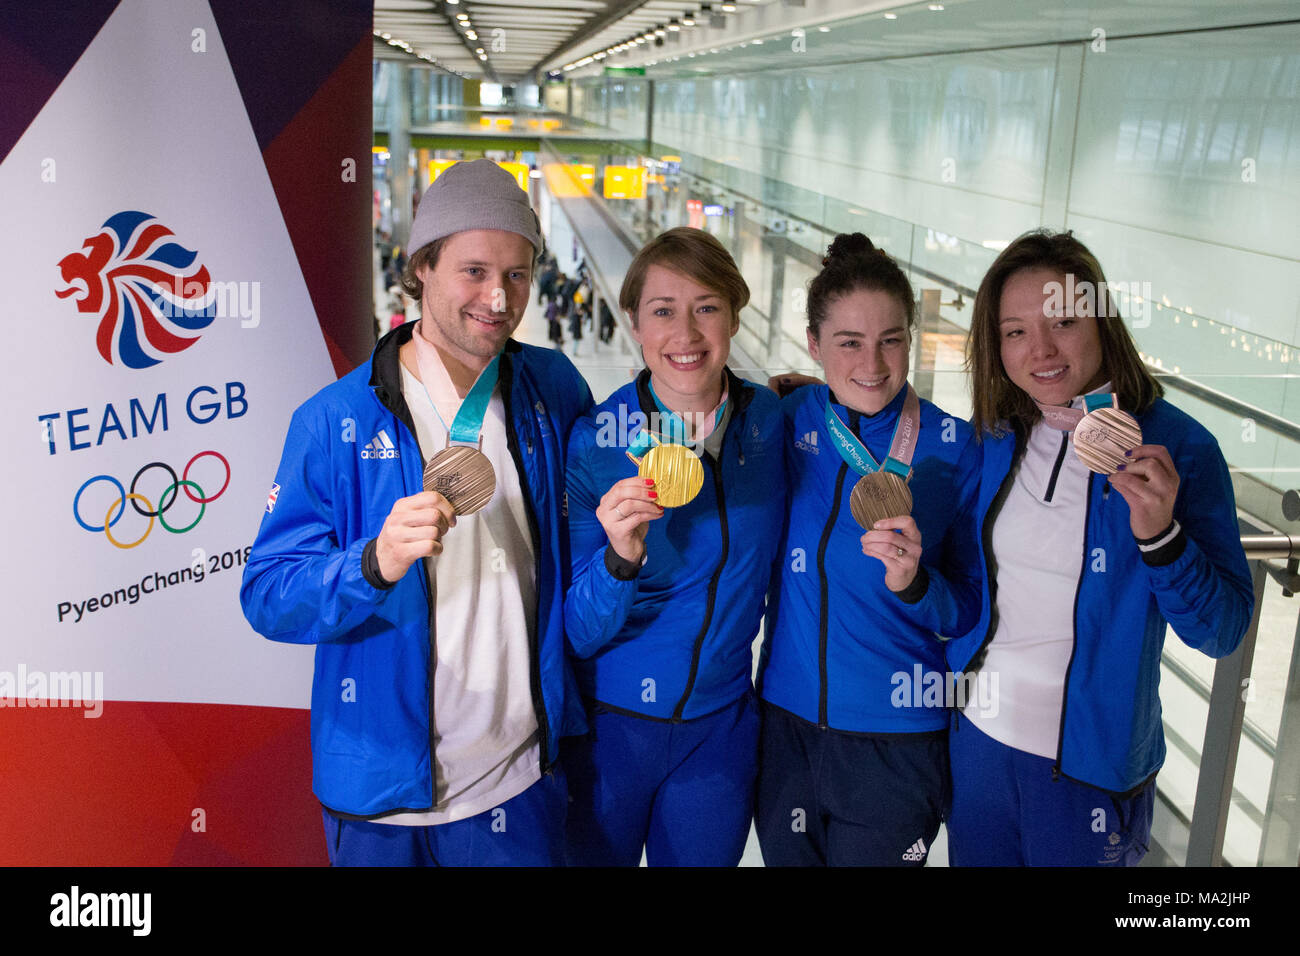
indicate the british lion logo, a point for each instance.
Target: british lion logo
{"x":152,"y":295}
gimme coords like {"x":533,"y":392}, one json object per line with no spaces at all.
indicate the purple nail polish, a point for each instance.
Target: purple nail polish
{"x":1121,"y":467}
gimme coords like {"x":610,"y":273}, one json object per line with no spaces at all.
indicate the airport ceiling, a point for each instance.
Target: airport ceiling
{"x":508,"y":41}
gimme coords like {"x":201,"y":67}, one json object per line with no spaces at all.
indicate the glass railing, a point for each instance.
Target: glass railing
{"x":1255,"y":818}
{"x":1237,"y":383}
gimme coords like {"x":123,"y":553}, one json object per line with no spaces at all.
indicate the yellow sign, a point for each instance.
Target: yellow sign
{"x":585,"y":172}
{"x":519,"y":171}
{"x":625,"y":182}
{"x":497,"y":122}
{"x":437,"y":166}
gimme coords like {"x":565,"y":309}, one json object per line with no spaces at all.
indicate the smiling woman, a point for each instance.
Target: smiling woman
{"x":882,"y":489}
{"x":669,"y":574}
{"x":1107,"y":517}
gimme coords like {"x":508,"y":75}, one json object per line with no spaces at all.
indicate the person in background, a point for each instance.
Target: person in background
{"x":665,"y":602}
{"x":854,"y":753}
{"x":1083,"y":569}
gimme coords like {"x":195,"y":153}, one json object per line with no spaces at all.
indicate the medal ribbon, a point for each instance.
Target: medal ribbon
{"x":901,"y":448}
{"x":466,"y":427}
{"x":1065,"y":417}
{"x":675,"y":427}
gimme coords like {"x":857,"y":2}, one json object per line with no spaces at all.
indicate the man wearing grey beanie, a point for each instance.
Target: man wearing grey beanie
{"x":434,"y":596}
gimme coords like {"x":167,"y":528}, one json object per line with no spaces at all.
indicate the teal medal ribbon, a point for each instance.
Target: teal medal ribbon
{"x":901,"y":448}
{"x":673,"y":427}
{"x":467,"y":426}
{"x":460,"y":472}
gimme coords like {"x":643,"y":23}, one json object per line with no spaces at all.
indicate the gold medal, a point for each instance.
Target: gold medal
{"x":877,"y":496}
{"x":462,"y":475}
{"x":676,"y":472}
{"x":1103,"y":436}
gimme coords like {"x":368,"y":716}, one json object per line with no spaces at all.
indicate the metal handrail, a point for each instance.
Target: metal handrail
{"x":1275,"y":546}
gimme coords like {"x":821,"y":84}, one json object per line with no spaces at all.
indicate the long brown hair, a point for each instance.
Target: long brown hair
{"x":999,"y":401}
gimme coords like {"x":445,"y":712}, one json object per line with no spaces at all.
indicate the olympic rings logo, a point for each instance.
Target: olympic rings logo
{"x":148,"y":511}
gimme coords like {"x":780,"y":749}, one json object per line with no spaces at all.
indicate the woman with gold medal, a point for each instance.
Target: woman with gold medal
{"x":875,"y":568}
{"x":676,"y":500}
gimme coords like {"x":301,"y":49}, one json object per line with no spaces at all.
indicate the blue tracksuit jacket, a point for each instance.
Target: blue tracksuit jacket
{"x":843,"y":651}
{"x":1199,"y":583}
{"x":675,"y":642}
{"x":372,"y":752}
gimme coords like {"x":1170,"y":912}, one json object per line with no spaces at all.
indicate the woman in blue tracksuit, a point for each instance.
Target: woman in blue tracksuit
{"x":854,"y":765}
{"x":1082,"y":572}
{"x":664,"y":604}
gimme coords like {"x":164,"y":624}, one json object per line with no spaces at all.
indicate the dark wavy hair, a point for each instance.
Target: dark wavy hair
{"x":853,"y":262}
{"x":996,"y":399}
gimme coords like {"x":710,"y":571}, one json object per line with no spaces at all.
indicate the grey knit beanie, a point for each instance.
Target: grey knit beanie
{"x":474,"y":195}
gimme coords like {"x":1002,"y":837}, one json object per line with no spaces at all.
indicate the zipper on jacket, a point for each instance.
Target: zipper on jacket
{"x":534,"y":648}
{"x":823,"y":720}
{"x":395,"y":403}
{"x":1056,"y":468}
{"x":713,"y":583}
{"x":986,"y":537}
{"x":1074,"y":633}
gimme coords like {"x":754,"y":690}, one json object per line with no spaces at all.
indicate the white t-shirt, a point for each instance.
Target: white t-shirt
{"x":1038,"y":547}
{"x":485,"y":612}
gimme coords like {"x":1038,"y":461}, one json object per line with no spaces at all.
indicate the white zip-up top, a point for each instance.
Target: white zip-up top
{"x":1038,"y":541}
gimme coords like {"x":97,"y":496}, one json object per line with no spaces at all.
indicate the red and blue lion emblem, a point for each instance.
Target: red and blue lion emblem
{"x":152,"y":294}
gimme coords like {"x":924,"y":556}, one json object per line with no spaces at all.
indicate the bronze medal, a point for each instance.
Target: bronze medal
{"x":676,"y":472}
{"x":879,"y":495}
{"x":462,"y":475}
{"x":1103,"y":436}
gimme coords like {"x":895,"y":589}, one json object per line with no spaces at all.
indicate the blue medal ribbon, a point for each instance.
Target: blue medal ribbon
{"x":901,"y":447}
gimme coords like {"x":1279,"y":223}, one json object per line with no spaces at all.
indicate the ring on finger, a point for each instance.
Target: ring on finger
{"x":900,"y":551}
{"x":619,"y":509}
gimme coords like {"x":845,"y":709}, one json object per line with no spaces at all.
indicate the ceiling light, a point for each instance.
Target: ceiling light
{"x":936,"y":6}
{"x":674,"y":26}
{"x":823,"y":29}
{"x":891,"y":16}
{"x":688,"y":20}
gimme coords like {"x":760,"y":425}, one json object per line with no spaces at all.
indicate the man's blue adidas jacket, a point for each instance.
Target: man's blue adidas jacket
{"x":371,"y":696}
{"x":842,"y":651}
{"x":674,"y":642}
{"x":1199,"y":583}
